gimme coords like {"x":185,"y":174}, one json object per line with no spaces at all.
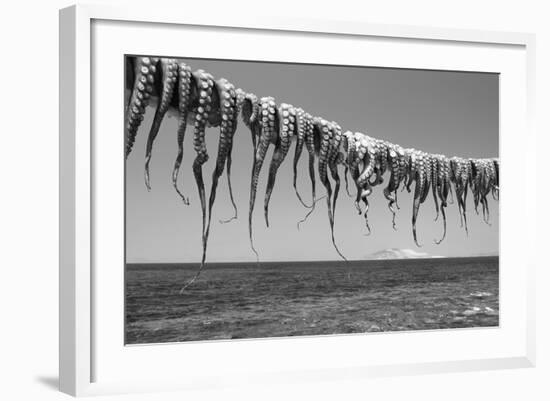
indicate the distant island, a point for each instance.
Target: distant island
{"x":397,"y":253}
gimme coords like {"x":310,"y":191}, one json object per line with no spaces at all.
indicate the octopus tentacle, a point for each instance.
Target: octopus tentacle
{"x":325,"y":132}
{"x":301,"y":124}
{"x":465,"y":174}
{"x":349,"y":147}
{"x":411,"y":170}
{"x":495,"y":186}
{"x":333,"y":160}
{"x":355,"y":154}
{"x":419,"y":175}
{"x":487,"y":187}
{"x":442,"y":190}
{"x":168,"y":76}
{"x":436,"y":183}
{"x":474,"y":180}
{"x":312,"y":150}
{"x":250,"y":113}
{"x":381,"y":161}
{"x":460,"y":178}
{"x":240,"y":96}
{"x":205,"y":86}
{"x":390,"y":192}
{"x":268,"y":133}
{"x":427,"y":159}
{"x":311,"y":210}
{"x":310,"y":147}
{"x":367,"y":149}
{"x":185,"y":82}
{"x":228,"y":113}
{"x":287,"y":127}
{"x":145,"y":69}
{"x":366,"y":153}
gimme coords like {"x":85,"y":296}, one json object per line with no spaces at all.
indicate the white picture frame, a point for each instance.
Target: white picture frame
{"x":88,"y":365}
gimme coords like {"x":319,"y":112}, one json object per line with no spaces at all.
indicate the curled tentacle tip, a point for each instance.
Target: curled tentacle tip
{"x":369,"y":231}
{"x":147,"y":181}
{"x":228,"y":220}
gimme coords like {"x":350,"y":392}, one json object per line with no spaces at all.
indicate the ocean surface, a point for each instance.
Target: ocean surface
{"x":274,"y":299}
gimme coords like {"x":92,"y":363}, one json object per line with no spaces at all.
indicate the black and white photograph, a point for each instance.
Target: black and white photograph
{"x":269,"y":199}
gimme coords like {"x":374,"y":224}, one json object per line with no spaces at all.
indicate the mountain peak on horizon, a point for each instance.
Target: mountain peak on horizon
{"x":398,"y":253}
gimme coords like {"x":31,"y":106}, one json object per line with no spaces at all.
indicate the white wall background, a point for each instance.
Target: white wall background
{"x":28,"y":205}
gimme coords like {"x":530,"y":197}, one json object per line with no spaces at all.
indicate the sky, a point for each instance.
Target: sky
{"x":448,"y":112}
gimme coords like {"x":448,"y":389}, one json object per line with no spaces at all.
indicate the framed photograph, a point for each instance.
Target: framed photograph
{"x":283,"y":200}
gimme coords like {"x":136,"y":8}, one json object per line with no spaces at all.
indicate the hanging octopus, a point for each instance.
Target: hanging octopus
{"x":204,"y":102}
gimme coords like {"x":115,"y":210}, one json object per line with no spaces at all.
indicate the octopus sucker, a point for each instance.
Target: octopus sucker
{"x":287,"y":130}
{"x":184,"y":84}
{"x":168,"y":70}
{"x":145,"y":71}
{"x":268,"y":133}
